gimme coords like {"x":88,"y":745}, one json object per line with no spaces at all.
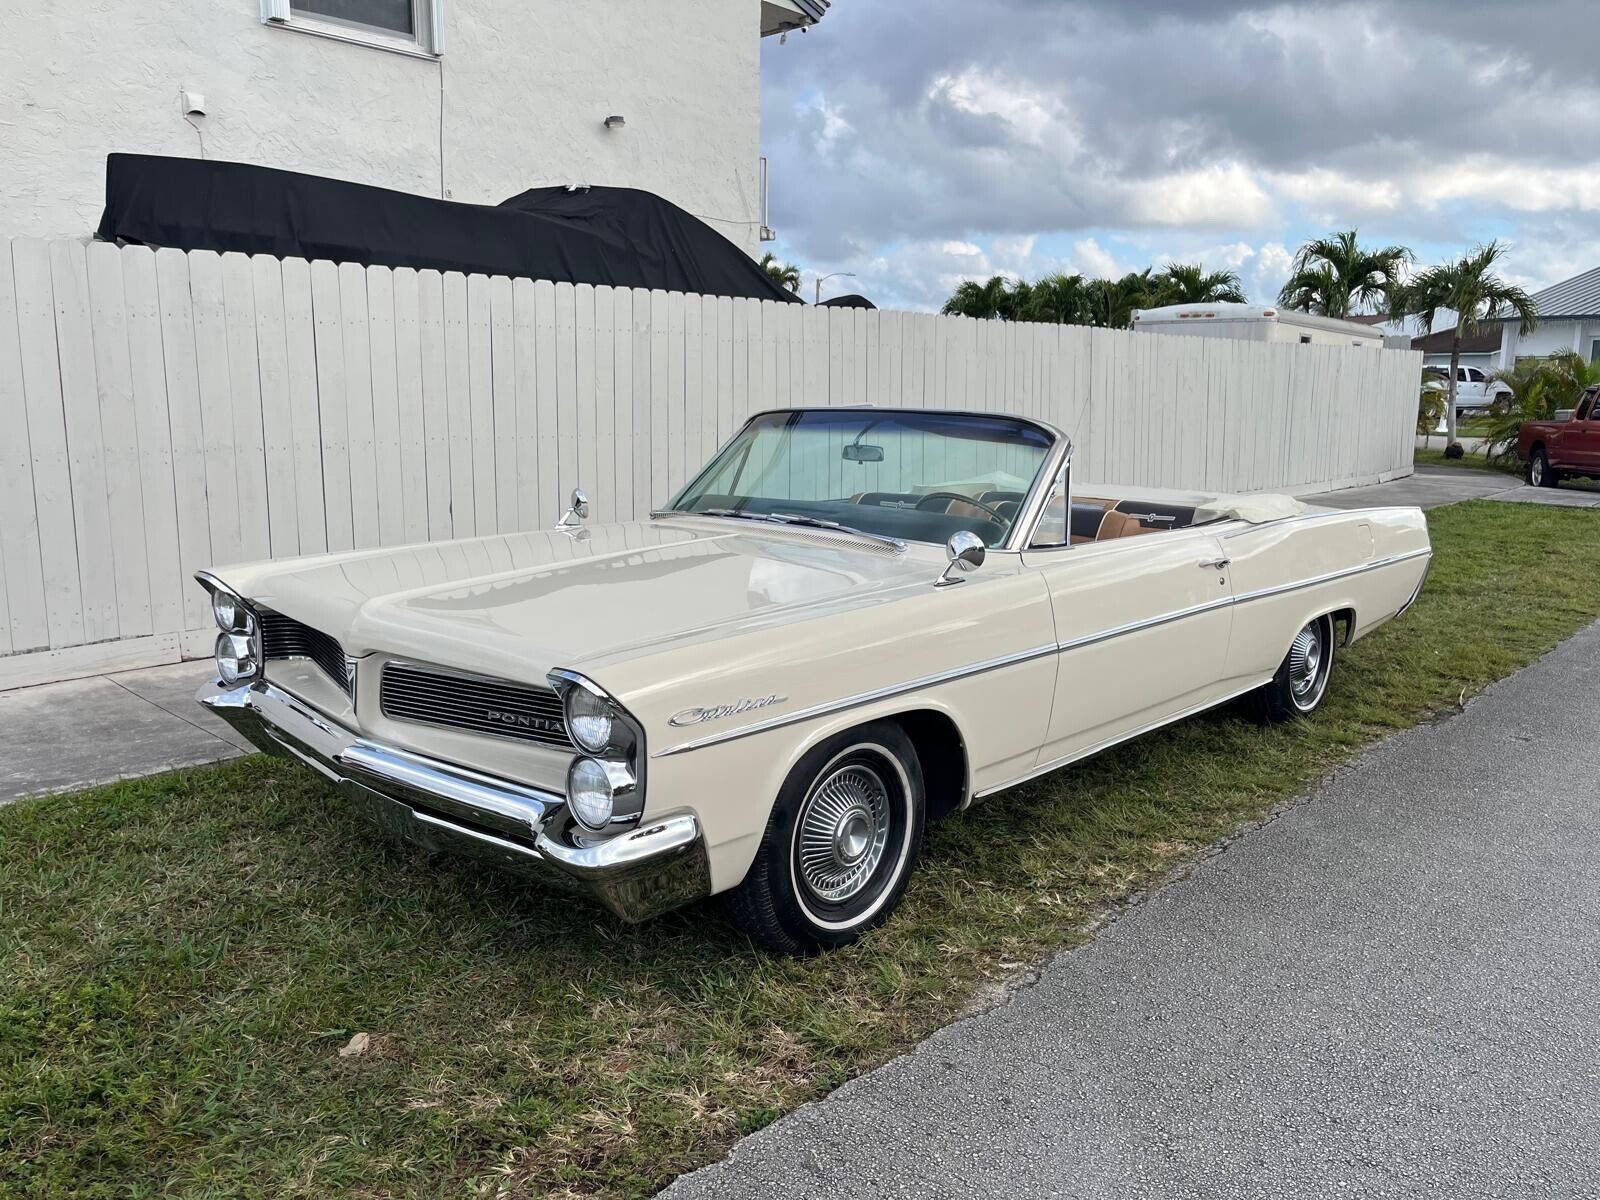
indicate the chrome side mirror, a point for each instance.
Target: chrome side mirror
{"x":579,"y":510}
{"x":966,"y":552}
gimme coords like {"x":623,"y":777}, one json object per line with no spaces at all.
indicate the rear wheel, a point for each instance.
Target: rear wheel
{"x":840,"y":844}
{"x":1540,"y":472}
{"x":1301,"y":684}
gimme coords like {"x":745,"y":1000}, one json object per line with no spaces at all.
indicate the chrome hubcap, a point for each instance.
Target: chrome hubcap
{"x":1538,"y":470}
{"x":1305,"y":663}
{"x":842,"y":831}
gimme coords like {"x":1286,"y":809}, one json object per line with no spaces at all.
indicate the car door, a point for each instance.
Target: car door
{"x":1142,"y":627}
{"x":1581,"y":446}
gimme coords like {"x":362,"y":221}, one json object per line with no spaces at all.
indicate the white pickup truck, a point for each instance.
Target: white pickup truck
{"x":1475,"y":391}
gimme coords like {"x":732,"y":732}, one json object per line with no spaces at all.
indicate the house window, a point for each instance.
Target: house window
{"x":1594,"y":350}
{"x":409,"y":26}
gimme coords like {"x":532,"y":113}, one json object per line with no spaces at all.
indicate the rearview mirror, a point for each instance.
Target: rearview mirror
{"x":966,"y":552}
{"x":863,"y":452}
{"x":577,"y":511}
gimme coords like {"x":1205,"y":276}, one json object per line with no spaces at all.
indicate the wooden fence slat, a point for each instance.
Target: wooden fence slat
{"x":586,"y":468}
{"x":361,"y":444}
{"x":25,"y":606}
{"x":305,"y":405}
{"x":503,"y":402}
{"x":526,"y":388}
{"x":383,"y":339}
{"x":412,"y":428}
{"x":622,"y":375}
{"x":566,"y":460}
{"x":700,"y":369}
{"x":80,"y":407}
{"x":328,"y":322}
{"x":546,"y":377}
{"x":435,"y":401}
{"x":182,"y":371}
{"x":602,"y":461}
{"x":458,"y":407}
{"x":277,"y":415}
{"x":244,"y":394}
{"x":118,"y":425}
{"x":216,"y":403}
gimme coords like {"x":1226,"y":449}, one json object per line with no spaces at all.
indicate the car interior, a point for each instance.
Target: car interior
{"x":934,"y":516}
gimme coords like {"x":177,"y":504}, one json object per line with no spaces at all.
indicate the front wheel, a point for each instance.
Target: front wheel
{"x":839,"y":846}
{"x":1301,"y":684}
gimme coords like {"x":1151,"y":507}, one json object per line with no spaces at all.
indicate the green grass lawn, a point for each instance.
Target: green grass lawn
{"x":182,"y":958}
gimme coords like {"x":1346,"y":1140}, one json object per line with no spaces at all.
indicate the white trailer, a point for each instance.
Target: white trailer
{"x":1256,"y":323}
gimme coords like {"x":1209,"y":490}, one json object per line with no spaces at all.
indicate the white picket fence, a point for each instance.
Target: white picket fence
{"x":162,"y":411}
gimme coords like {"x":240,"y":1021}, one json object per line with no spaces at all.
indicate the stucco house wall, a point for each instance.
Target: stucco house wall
{"x":517,"y":99}
{"x":1549,"y":337}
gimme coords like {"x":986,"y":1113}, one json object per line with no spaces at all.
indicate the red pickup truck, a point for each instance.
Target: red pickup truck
{"x":1556,"y":449}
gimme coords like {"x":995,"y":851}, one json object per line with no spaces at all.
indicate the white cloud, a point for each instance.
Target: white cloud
{"x":1090,"y":258}
{"x":1032,"y":116}
{"x":1223,"y":195}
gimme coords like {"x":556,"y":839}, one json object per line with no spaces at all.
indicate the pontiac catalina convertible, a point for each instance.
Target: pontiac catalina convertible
{"x":851,"y":623}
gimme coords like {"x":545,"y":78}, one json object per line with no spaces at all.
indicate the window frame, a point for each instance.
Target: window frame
{"x":427,"y":18}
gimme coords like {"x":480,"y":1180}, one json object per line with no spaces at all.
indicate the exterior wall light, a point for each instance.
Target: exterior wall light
{"x":615,"y":122}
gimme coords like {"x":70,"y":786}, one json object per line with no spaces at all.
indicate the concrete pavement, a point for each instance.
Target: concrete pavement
{"x":1430,"y":487}
{"x":64,"y":736}
{"x":1390,"y":989}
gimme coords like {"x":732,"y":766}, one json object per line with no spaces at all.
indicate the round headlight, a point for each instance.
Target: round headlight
{"x":590,"y":793}
{"x":589,"y":718}
{"x":228,"y":612}
{"x":236,"y":657}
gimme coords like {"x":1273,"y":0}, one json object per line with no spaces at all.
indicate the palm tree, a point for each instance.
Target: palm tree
{"x":1191,"y":283}
{"x":1540,"y":387}
{"x":998,"y":298}
{"x":1470,"y":288}
{"x":782,"y":273}
{"x":1060,"y":299}
{"x":1337,"y":276}
{"x":1112,"y":301}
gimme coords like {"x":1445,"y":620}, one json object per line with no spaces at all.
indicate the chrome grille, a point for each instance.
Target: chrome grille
{"x":474,"y":704}
{"x":284,"y":637}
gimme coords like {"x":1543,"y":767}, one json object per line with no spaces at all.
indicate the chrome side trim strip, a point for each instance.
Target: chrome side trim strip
{"x":833,"y":706}
{"x":1079,"y":755}
{"x":1104,"y":635}
{"x":1116,"y":631}
{"x":1376,"y":564}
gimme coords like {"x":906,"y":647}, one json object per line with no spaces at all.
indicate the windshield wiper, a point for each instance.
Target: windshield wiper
{"x":800,"y":519}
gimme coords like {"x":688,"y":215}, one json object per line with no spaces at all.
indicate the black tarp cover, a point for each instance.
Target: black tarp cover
{"x":851,"y":301}
{"x":602,"y":235}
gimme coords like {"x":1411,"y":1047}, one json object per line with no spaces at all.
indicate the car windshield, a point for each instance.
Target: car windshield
{"x":913,"y":476}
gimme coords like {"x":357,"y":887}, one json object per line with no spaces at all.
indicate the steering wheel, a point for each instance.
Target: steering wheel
{"x":964,"y":499}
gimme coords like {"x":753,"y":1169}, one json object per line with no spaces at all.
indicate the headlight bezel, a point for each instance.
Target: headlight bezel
{"x":619,"y":783}
{"x":622,"y":754}
{"x":245,"y":626}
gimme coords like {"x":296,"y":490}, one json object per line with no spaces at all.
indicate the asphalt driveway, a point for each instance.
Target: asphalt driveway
{"x":1390,"y":989}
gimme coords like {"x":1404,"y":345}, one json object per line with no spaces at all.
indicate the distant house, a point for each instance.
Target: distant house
{"x":1569,"y":319}
{"x":1479,"y":351}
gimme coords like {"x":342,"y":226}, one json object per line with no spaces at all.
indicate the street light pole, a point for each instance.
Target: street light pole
{"x":822,"y":279}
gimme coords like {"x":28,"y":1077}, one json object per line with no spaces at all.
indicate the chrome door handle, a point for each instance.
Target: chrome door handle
{"x":1215,"y":564}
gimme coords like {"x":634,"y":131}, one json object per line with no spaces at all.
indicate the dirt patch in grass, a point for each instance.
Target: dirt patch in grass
{"x":182,"y":958}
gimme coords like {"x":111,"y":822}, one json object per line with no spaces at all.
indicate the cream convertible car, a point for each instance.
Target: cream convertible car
{"x":852,"y":622}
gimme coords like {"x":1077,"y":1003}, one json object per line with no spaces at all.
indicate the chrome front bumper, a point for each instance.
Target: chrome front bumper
{"x":444,"y":807}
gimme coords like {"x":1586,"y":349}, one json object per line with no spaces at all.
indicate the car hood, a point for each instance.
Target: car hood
{"x":516,"y":605}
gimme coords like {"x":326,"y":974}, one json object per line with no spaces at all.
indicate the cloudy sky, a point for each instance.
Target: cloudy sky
{"x":920,"y":144}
